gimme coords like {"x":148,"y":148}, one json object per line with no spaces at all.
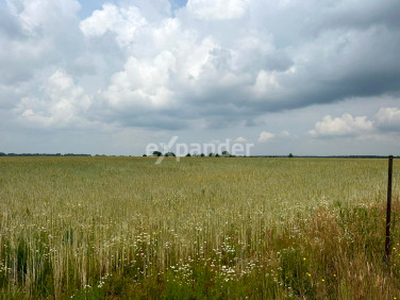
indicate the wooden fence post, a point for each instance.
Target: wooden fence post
{"x":388,"y":209}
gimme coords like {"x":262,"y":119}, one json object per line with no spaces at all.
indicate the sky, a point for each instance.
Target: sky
{"x":289,"y":76}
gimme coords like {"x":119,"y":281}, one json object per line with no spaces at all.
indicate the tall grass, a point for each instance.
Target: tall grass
{"x":95,"y":227}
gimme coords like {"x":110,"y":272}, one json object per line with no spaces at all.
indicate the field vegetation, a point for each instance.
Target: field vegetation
{"x":204,"y":228}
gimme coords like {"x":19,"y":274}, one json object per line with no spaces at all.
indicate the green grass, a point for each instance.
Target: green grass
{"x":96,"y":227}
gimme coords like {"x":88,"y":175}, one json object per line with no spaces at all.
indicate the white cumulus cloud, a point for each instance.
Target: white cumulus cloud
{"x":265,"y":136}
{"x":142,"y":83}
{"x":65,"y":104}
{"x":122,"y":21}
{"x":34,"y":13}
{"x":388,"y":118}
{"x":347,"y":125}
{"x":240,"y":139}
{"x":217,"y":9}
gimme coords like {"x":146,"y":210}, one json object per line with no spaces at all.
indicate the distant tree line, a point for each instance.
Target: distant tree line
{"x":227,"y":154}
{"x":43,"y":154}
{"x":172,"y":154}
{"x":223,"y":154}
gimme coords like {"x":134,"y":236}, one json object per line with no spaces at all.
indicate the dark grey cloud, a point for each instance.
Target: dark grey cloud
{"x":352,"y":16}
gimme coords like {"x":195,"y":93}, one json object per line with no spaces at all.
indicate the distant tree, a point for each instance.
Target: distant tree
{"x":157,"y":153}
{"x":202,"y":155}
{"x":144,"y":155}
{"x":210,"y":154}
{"x":170,"y":154}
{"x":217,"y":155}
{"x":188,"y":155}
{"x":2,"y":154}
{"x":225,"y":153}
{"x":290,"y":155}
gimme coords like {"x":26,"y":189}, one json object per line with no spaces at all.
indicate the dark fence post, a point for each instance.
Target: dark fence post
{"x":388,"y":209}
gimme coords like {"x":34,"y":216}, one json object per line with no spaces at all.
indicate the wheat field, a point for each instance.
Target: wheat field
{"x":124,"y":227}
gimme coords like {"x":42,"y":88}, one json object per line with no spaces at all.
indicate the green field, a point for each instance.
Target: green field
{"x":120,"y":227}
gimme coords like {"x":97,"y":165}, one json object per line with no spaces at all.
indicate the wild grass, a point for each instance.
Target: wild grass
{"x":97,"y":227}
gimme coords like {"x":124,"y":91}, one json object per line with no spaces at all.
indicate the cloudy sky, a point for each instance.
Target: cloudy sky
{"x":307,"y":77}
